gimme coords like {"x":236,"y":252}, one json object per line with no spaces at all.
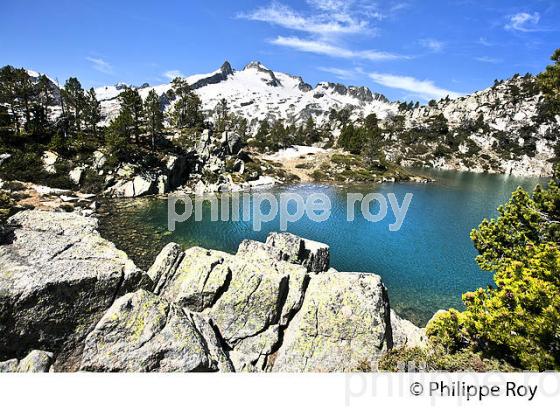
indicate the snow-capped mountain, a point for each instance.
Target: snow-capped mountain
{"x":258,"y":93}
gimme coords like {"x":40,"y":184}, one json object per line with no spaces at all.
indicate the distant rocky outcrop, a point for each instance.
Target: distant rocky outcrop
{"x":219,"y":76}
{"x":130,"y":180}
{"x":507,"y":128}
{"x":360,"y":93}
{"x":274,"y":306}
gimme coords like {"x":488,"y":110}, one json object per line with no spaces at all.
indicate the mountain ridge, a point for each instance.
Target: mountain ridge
{"x":252,"y":91}
{"x":503,"y":128}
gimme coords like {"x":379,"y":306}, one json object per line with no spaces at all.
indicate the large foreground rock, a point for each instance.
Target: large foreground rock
{"x":248,"y":297}
{"x":271,"y":314}
{"x":143,"y":332}
{"x":57,"y":278}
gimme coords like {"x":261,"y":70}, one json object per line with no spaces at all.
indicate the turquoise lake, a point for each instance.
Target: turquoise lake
{"x":426,"y":265}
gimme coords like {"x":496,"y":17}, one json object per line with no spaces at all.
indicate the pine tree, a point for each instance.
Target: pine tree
{"x":39,"y":122}
{"x":92,"y":113}
{"x":153,"y":117}
{"x":222,"y":116}
{"x":372,"y":150}
{"x":118,"y":135}
{"x":240,"y":125}
{"x":262,"y":134}
{"x":278,"y":136}
{"x":438,"y":124}
{"x":346,"y":135}
{"x":26,"y":91}
{"x":186,"y":112}
{"x":5,"y":121}
{"x":74,"y":99}
{"x":311,"y":134}
{"x":371,"y":122}
{"x":18,"y":92}
{"x":45,"y":94}
{"x":549,"y":79}
{"x":132,"y":109}
{"x":9,"y":97}
{"x":344,"y":116}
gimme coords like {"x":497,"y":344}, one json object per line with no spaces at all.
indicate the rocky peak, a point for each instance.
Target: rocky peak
{"x":217,"y":77}
{"x":270,"y":79}
{"x":360,"y":93}
{"x":256,"y":65}
{"x":121,"y":86}
{"x":226,"y":68}
{"x":302,"y":85}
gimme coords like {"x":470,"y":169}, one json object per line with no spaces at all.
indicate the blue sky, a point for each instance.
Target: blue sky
{"x":405,"y":49}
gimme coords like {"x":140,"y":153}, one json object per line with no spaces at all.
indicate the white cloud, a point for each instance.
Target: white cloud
{"x":328,"y":5}
{"x":344,"y":8}
{"x":324,"y":48}
{"x":100,"y":65}
{"x":342,"y":73}
{"x":425,"y":89}
{"x":524,"y":22}
{"x":331,"y":19}
{"x":432,"y":44}
{"x":484,"y":41}
{"x":325,"y":23}
{"x":171,"y":74}
{"x":490,"y":60}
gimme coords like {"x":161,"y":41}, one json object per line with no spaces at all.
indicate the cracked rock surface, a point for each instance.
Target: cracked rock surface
{"x":143,"y":332}
{"x":343,"y":323}
{"x":57,"y":278}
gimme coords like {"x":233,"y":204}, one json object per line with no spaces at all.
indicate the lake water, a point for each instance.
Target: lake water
{"x":426,"y":265}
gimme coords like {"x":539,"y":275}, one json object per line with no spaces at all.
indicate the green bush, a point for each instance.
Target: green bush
{"x":13,"y":186}
{"x":318,"y":175}
{"x":518,"y":320}
{"x":252,"y":170}
{"x":92,"y":182}
{"x":22,"y":166}
{"x":6,"y":206}
{"x":346,"y":160}
{"x":434,"y":359}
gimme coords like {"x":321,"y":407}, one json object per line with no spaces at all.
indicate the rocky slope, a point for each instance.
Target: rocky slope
{"x":506,"y":129}
{"x":274,"y":306}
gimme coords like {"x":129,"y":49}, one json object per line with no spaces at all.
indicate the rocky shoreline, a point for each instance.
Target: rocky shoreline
{"x":70,"y":300}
